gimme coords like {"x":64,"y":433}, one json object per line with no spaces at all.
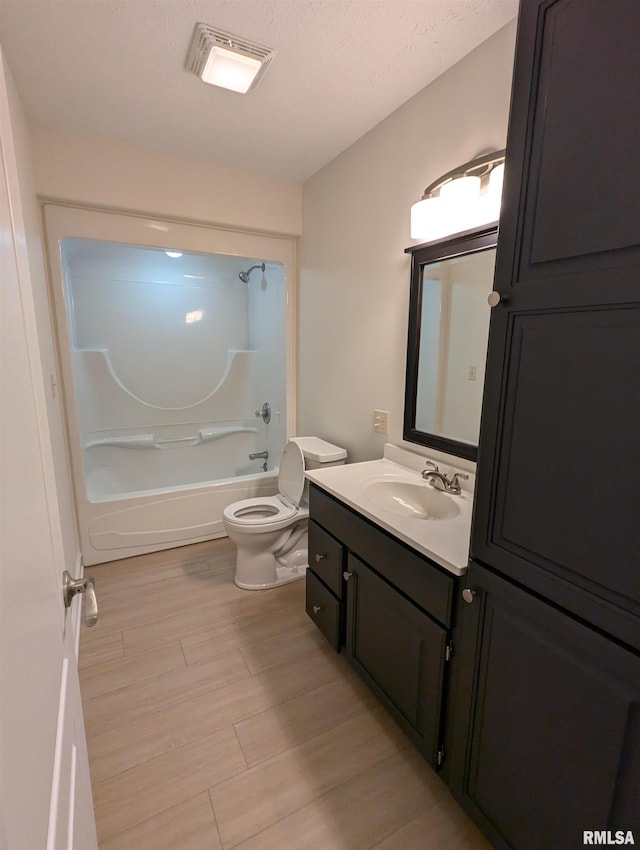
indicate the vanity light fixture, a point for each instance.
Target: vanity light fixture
{"x":227,"y":60}
{"x":467,"y":197}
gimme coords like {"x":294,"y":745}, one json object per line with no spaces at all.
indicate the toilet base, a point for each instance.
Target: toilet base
{"x":257,"y":569}
{"x":284,"y":575}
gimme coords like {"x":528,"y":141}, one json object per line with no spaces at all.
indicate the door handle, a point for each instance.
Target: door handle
{"x":71,"y":587}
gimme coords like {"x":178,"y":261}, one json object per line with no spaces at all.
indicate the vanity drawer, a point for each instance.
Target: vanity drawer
{"x":419,"y":579}
{"x":324,"y":609}
{"x":326,"y":557}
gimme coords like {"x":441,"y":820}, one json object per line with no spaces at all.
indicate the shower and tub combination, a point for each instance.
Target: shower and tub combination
{"x":177,"y":368}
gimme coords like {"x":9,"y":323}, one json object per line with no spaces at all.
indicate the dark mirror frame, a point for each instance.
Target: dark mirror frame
{"x":469,"y":242}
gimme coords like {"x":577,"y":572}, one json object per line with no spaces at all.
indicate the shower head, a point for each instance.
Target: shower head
{"x":244,"y":276}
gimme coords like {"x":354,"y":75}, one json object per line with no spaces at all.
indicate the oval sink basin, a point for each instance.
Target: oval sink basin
{"x":405,"y":499}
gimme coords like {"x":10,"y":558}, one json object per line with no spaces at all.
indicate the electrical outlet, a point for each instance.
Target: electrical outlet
{"x":381,"y":421}
{"x":472,"y":374}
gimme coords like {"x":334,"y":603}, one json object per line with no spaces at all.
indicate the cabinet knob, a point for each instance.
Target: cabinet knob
{"x":468,"y":595}
{"x":316,"y":609}
{"x":346,"y":576}
{"x":496,"y":298}
{"x":320,"y":558}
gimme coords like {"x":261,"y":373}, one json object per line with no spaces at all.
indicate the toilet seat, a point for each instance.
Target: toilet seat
{"x":266,"y":513}
{"x":261,"y":510}
{"x":270,"y":513}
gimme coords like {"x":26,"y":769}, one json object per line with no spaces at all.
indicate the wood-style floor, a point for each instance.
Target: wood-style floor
{"x":219,"y":718}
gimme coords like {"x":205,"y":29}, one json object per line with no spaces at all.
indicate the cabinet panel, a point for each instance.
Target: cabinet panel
{"x":326,"y":557}
{"x":565,"y":498}
{"x":586,"y":113}
{"x":571,"y":193}
{"x":323,"y":608}
{"x":547,"y":737}
{"x":399,"y":652}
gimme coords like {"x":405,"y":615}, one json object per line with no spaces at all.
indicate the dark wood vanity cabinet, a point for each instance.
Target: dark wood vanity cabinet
{"x":394,"y":613}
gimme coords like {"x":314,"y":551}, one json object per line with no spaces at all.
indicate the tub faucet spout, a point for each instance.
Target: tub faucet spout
{"x":256,"y":455}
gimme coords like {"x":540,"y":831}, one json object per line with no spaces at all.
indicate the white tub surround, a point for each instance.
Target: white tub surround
{"x":392,"y":493}
{"x":171,"y":349}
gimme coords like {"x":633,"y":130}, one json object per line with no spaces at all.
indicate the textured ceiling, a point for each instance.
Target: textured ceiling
{"x":115,"y":69}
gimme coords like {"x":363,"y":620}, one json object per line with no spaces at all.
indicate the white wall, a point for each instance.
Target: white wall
{"x":114,"y":174}
{"x":354,"y":275}
{"x":53,"y":399}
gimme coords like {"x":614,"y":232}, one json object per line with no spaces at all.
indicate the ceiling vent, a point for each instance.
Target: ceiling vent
{"x":223,"y":59}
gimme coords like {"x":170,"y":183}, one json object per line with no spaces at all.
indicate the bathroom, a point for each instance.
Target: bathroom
{"x":348,"y":220}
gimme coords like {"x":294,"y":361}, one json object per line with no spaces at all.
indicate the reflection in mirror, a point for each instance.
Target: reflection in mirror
{"x":448,"y":331}
{"x":454,"y":329}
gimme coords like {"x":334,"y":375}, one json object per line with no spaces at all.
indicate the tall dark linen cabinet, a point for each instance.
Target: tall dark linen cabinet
{"x":546,"y":729}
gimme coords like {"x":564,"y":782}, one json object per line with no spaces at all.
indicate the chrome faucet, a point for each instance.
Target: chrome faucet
{"x":256,"y":455}
{"x":440,"y":481}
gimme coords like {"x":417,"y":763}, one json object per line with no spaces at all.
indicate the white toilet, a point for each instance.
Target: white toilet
{"x":271,"y":531}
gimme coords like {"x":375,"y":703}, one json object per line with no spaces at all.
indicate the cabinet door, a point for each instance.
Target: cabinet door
{"x":399,"y":652}
{"x":547,"y":737}
{"x":556,"y":495}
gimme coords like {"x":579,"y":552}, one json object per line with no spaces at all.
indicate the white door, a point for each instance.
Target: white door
{"x":45,"y":794}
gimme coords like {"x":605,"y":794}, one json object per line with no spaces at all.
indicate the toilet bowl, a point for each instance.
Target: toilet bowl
{"x":270,"y":532}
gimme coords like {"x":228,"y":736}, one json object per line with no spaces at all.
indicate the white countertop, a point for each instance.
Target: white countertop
{"x":445,"y":541}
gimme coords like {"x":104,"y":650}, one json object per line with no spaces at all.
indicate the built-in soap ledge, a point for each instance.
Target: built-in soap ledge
{"x":150,"y":441}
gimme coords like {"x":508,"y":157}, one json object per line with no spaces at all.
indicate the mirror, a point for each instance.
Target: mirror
{"x":447,"y":345}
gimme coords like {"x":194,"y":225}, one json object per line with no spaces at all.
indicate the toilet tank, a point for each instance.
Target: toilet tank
{"x":318,"y":453}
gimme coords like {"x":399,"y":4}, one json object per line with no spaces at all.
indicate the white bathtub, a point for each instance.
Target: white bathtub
{"x":120,"y":526}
